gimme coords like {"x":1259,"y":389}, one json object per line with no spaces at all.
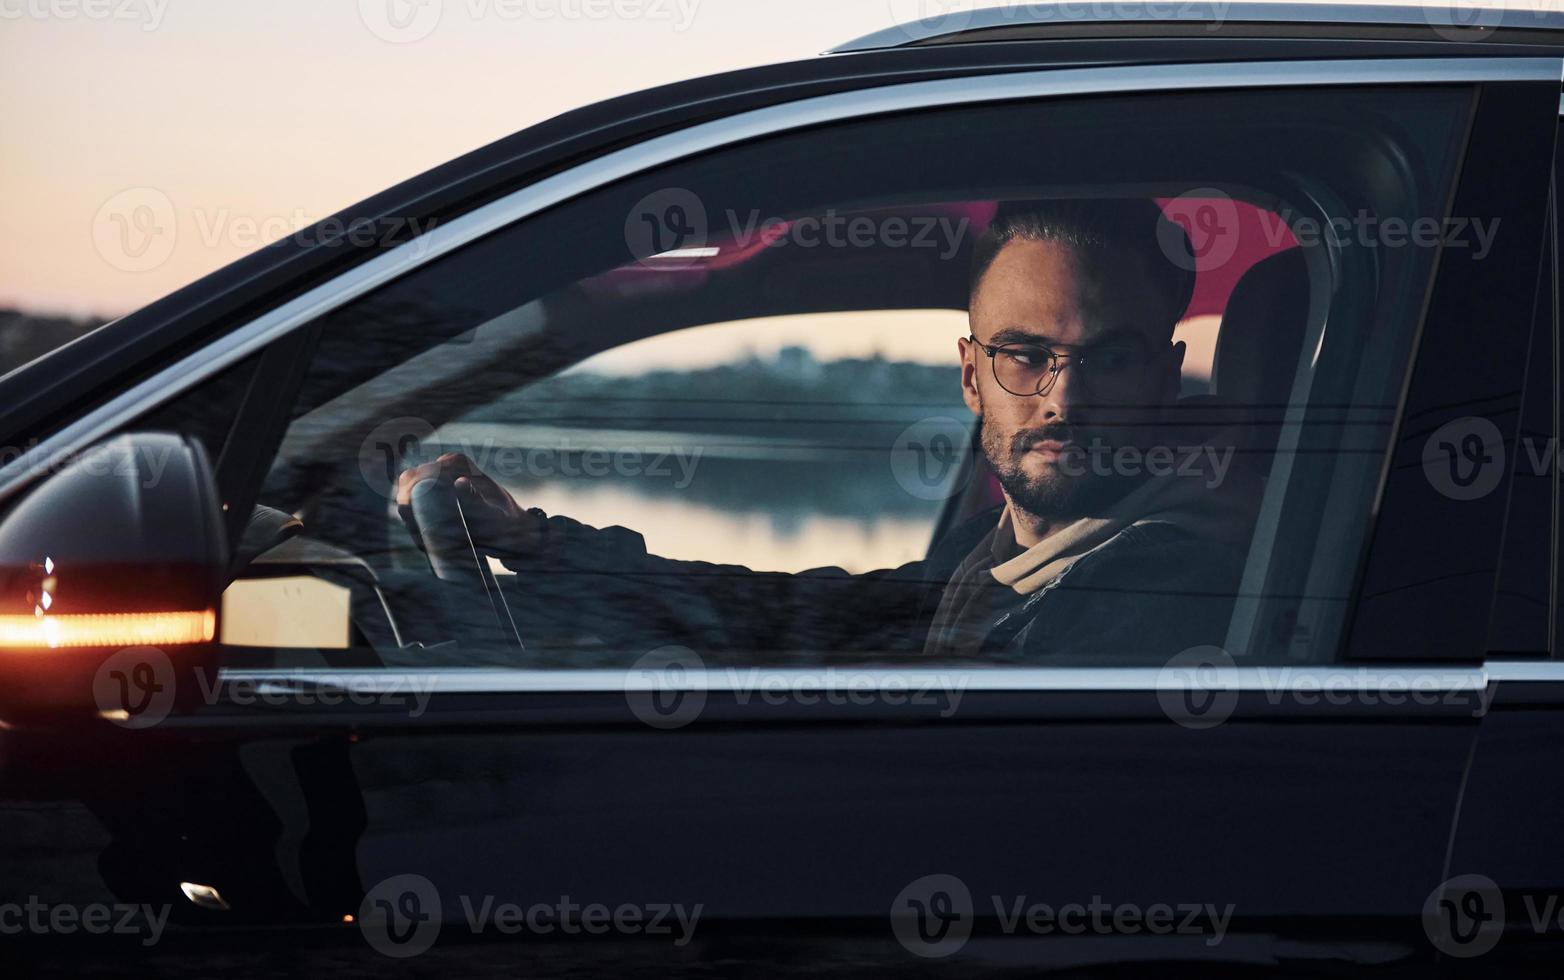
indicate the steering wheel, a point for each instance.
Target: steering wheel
{"x":453,"y":555}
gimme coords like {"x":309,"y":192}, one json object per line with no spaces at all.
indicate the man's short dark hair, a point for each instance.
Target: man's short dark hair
{"x":1135,"y":225}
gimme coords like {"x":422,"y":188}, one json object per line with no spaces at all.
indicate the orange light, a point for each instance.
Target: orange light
{"x":108,"y":629}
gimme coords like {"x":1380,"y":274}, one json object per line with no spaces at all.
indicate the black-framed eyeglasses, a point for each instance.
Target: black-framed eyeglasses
{"x":1032,"y":369}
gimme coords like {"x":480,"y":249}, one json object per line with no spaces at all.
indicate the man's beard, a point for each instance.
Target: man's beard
{"x":1068,"y":490}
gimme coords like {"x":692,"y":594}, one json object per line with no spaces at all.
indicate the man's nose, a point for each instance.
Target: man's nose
{"x":1065,"y":394}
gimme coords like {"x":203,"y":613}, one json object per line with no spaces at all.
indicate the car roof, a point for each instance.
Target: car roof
{"x":1217,"y":18}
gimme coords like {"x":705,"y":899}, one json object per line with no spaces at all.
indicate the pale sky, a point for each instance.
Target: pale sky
{"x":220,"y":124}
{"x":253,"y":118}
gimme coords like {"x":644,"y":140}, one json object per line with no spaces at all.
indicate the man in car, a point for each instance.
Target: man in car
{"x":1073,"y":373}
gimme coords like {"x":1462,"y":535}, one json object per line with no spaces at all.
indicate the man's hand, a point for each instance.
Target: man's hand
{"x":497,"y":523}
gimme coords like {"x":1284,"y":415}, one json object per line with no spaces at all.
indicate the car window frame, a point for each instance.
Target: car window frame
{"x":1356,"y":271}
{"x":1516,"y":552}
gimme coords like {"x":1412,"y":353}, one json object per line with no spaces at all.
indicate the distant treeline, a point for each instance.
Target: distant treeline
{"x":26,"y":336}
{"x":791,"y":394}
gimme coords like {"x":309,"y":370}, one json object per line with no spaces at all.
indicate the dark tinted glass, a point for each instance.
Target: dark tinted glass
{"x":732,"y":389}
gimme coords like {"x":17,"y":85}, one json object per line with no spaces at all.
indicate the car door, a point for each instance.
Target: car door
{"x":449,"y":780}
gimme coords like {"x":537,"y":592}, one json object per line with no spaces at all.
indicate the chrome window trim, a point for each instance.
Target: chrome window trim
{"x":1303,"y":679}
{"x":671,"y":147}
{"x":1542,"y":671}
{"x":1432,"y":677}
{"x":1433,"y":15}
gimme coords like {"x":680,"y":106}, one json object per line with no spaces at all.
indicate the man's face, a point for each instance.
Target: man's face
{"x":1052,"y":452}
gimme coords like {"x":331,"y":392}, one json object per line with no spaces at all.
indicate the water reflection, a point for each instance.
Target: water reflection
{"x":772,"y":504}
{"x":780,"y":463}
{"x":683,"y":527}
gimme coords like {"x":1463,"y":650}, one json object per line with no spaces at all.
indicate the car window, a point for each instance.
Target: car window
{"x":761,"y":442}
{"x":731,"y":405}
{"x":1521,"y":624}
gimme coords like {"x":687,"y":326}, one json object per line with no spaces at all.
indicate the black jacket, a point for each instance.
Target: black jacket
{"x":596,"y":598}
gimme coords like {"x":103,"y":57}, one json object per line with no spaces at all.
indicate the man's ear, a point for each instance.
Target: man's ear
{"x":969,"y":353}
{"x":1172,"y":383}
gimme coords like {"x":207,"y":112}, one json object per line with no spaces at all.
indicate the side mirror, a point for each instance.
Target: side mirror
{"x":118,"y":558}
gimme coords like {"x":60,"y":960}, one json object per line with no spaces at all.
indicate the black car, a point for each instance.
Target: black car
{"x":270,"y":704}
